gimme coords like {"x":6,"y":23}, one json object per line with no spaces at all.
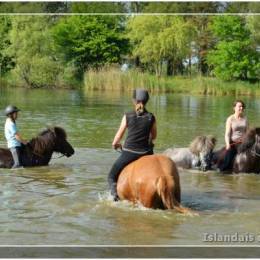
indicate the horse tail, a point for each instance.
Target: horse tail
{"x":167,"y":196}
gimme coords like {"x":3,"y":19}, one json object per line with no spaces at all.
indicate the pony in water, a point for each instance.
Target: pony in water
{"x":247,"y":159}
{"x":197,"y":155}
{"x":153,"y":181}
{"x":39,"y":150}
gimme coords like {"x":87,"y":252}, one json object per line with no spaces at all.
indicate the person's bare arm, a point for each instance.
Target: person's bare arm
{"x":19,"y":138}
{"x":228,"y":133}
{"x":154,"y":131}
{"x":120,"y":132}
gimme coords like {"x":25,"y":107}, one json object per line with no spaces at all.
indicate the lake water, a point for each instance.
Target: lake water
{"x":67,"y":203}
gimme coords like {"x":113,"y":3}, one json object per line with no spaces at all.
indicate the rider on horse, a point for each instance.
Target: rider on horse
{"x":141,"y":127}
{"x":14,"y":139}
{"x":236,"y":127}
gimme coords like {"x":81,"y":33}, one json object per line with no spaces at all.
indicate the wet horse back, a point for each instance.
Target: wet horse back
{"x":138,"y":181}
{"x":181,"y":156}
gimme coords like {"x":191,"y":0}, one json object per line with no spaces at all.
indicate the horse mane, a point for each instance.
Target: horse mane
{"x":248,"y":139}
{"x":46,"y":139}
{"x":202,"y":143}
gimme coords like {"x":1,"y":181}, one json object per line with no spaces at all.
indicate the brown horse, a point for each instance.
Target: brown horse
{"x":152,"y":180}
{"x":39,"y":150}
{"x":248,"y":157}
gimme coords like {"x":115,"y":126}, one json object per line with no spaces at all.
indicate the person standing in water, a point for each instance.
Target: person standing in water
{"x":236,"y":127}
{"x":141,"y":126}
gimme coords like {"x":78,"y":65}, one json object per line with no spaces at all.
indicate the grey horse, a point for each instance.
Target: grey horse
{"x":197,"y":155}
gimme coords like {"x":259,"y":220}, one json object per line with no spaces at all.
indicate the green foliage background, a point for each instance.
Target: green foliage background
{"x":57,"y":51}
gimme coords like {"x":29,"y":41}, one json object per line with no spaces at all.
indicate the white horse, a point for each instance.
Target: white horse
{"x":197,"y":155}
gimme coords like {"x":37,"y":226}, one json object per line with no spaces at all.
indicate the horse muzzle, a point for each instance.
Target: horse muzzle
{"x":69,"y":153}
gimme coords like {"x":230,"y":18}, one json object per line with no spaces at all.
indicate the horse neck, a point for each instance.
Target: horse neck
{"x":42,"y":148}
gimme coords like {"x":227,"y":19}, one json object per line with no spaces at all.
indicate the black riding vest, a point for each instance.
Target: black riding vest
{"x":139,"y":128}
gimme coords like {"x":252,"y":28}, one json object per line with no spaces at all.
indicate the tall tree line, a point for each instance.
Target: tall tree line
{"x":40,"y":51}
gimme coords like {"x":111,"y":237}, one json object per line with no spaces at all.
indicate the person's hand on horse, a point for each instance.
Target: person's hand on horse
{"x":117,"y":146}
{"x":24,"y":142}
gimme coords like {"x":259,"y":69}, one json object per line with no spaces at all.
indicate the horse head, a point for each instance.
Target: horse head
{"x":202,"y":147}
{"x":248,"y":156}
{"x":251,"y":140}
{"x":61,"y":145}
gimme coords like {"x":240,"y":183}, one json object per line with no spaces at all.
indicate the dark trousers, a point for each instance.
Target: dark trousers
{"x":229,"y":159}
{"x":16,"y":153}
{"x":123,"y":160}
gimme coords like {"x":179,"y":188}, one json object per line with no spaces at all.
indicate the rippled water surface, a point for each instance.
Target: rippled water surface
{"x":68,"y":202}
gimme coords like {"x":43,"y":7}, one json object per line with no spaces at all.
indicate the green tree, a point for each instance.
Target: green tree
{"x":202,"y":40}
{"x":253,"y":22}
{"x":234,"y":56}
{"x":5,"y":60}
{"x":160,"y":39}
{"x":254,"y":26}
{"x":96,"y":7}
{"x":89,"y":41}
{"x":32,"y":52}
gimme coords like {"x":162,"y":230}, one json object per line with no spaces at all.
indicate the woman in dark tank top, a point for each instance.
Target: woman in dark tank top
{"x":141,"y":126}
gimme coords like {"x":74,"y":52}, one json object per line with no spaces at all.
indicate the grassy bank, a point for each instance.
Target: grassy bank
{"x":114,"y":79}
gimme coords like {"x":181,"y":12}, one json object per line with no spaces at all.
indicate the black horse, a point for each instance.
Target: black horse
{"x":247,"y":159}
{"x":39,"y":150}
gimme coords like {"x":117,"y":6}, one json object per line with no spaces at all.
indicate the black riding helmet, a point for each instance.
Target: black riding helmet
{"x":141,"y":95}
{"x":11,"y":109}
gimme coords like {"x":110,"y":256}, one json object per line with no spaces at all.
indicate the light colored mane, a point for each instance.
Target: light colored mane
{"x":202,"y":143}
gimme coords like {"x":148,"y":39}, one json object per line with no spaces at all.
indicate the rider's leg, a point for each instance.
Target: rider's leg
{"x":124,"y":159}
{"x":16,"y":153}
{"x":228,"y":160}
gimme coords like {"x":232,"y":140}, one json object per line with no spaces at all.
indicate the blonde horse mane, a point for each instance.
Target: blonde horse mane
{"x":202,"y":143}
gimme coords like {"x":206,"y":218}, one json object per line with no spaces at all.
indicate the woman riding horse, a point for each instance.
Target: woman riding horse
{"x":142,"y":131}
{"x":236,"y":127}
{"x":12,"y":135}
